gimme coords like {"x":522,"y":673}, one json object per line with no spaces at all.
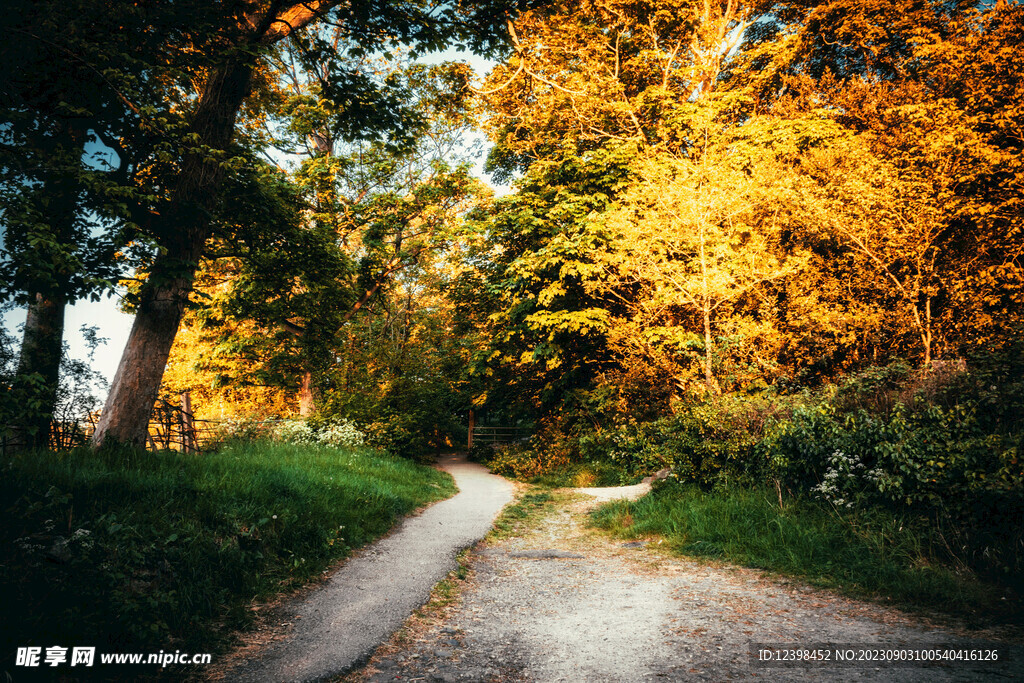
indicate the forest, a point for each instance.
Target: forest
{"x":769,"y":248}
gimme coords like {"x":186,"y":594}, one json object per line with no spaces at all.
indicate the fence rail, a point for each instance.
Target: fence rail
{"x":172,"y":427}
{"x":497,"y":435}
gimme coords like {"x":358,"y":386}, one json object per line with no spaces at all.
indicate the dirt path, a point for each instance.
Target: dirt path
{"x":337,"y":626}
{"x":562,"y":602}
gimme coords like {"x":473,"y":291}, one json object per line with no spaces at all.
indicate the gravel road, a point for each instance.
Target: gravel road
{"x":562,"y":602}
{"x":337,"y":626}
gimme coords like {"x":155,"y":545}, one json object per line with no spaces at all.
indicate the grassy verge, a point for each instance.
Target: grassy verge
{"x":871,"y":554}
{"x":134,"y":551}
{"x":524,"y":514}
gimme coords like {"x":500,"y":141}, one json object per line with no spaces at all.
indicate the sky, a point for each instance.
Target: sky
{"x":104,"y":314}
{"x":114,"y":326}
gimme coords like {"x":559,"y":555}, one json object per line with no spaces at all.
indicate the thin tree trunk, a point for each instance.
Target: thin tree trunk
{"x":709,"y":375}
{"x":38,"y":373}
{"x":39,"y":370}
{"x":924,"y":328}
{"x":307,"y":403}
{"x":186,"y":226}
{"x":927,"y":333}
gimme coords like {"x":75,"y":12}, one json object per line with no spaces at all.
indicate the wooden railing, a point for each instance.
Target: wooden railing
{"x":172,"y":427}
{"x":496,"y":435}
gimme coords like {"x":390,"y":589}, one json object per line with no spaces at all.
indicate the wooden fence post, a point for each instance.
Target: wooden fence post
{"x":187,"y":429}
{"x":472,"y":426}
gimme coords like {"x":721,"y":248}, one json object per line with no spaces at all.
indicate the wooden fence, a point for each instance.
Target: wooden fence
{"x":496,"y":435}
{"x":172,"y":427}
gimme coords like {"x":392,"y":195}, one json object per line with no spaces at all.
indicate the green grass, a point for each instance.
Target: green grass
{"x":524,"y":514}
{"x":138,"y":550}
{"x":584,"y":474}
{"x":870,"y":554}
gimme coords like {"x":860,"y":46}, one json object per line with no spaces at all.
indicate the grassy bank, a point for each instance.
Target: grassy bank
{"x":157,"y":551}
{"x":867,"y":554}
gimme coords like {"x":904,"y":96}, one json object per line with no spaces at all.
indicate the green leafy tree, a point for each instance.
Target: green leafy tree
{"x":67,"y":106}
{"x":371,"y":213}
{"x":241,"y":37}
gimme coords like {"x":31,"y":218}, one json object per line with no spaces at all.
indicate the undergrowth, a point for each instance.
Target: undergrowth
{"x":938,"y":448}
{"x":134,"y":551}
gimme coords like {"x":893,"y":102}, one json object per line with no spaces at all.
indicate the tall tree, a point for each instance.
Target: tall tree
{"x":590,"y":87}
{"x":244,"y":34}
{"x":63,"y":191}
{"x":371,"y":211}
{"x":700,"y":234}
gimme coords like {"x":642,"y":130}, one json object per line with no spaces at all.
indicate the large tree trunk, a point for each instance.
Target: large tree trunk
{"x":38,"y":371}
{"x":125,"y":416}
{"x":185,"y":225}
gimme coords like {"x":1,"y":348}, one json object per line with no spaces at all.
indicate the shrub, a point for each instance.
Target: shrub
{"x":340,"y":432}
{"x":241,"y":429}
{"x":398,"y":434}
{"x":525,"y":463}
{"x":331,"y":432}
{"x":923,"y":450}
{"x":295,"y":431}
{"x":710,"y":443}
{"x":918,"y":455}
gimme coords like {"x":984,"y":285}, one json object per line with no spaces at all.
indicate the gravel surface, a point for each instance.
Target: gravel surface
{"x":608,"y":493}
{"x":338,"y":625}
{"x":566,"y":603}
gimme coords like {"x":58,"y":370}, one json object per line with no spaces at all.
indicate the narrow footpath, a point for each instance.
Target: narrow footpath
{"x":338,"y":625}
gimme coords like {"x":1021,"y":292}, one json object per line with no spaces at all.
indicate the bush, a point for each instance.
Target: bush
{"x":414,"y":419}
{"x":919,"y":455}
{"x":710,"y":443}
{"x":402,"y":435}
{"x":526,"y":463}
{"x":930,"y":448}
{"x":241,"y":429}
{"x":340,"y":433}
{"x":323,"y":432}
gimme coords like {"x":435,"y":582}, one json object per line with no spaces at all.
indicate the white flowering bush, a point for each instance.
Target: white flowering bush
{"x":843,"y":479}
{"x":341,"y":433}
{"x":335,"y":433}
{"x":242,"y":429}
{"x":295,"y":431}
